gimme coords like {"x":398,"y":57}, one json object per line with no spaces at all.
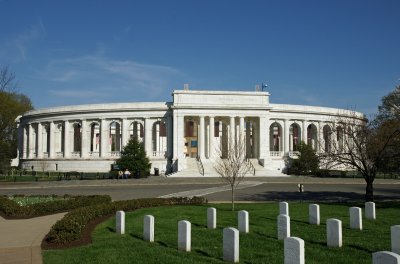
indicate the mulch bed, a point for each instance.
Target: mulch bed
{"x":85,"y":239}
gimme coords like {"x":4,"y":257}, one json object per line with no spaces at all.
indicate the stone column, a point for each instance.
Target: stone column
{"x":320,"y":137}
{"x":211,"y":143}
{"x":125,"y":134}
{"x":286,"y":138}
{"x":25,"y":142}
{"x":39,"y":141}
{"x":85,"y":140}
{"x":248,"y":145}
{"x":231,"y":129}
{"x":264,"y":138}
{"x":169,"y":136}
{"x":147,"y":137}
{"x":67,"y":151}
{"x":178,"y":127}
{"x":201,"y":138}
{"x":157,"y":142}
{"x":304,"y":131}
{"x":52,"y":143}
{"x":104,"y":140}
{"x":31,"y":141}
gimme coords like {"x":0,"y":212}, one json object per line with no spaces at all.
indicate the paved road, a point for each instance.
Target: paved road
{"x":253,"y":189}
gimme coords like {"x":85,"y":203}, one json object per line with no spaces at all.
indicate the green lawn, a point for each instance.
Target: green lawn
{"x":259,"y":246}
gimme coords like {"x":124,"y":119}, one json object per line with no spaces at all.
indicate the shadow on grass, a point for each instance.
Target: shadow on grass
{"x":332,"y":197}
{"x":203,"y":253}
{"x":112,"y":230}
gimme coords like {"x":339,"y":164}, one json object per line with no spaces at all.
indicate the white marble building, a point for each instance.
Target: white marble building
{"x":89,"y":138}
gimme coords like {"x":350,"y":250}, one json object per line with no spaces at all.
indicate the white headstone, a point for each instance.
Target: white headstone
{"x":395,"y":238}
{"x":385,"y":257}
{"x":284,"y":208}
{"x":120,"y":222}
{"x":334,"y":232}
{"x":184,"y":235}
{"x":313,"y":211}
{"x":283,"y":226}
{"x":148,"y":228}
{"x":294,"y":250}
{"x":355,"y":218}
{"x":211,"y":218}
{"x":243,"y":221}
{"x":370,"y":210}
{"x":231,"y":244}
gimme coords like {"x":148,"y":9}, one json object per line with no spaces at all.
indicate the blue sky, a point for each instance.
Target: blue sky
{"x":336,"y":53}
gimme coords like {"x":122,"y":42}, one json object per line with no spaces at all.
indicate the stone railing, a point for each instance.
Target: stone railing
{"x":276,"y":153}
{"x":159,"y":153}
{"x":59,"y":154}
{"x":75,"y":154}
{"x":94,"y":154}
{"x":115,"y":154}
{"x":294,"y":154}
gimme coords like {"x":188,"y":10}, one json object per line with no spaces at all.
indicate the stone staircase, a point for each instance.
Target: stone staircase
{"x":192,"y":170}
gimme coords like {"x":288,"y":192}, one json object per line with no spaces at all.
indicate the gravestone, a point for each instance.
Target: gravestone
{"x":231,"y":244}
{"x":385,"y":257}
{"x":283,"y":226}
{"x":395,"y":238}
{"x":334,"y":232}
{"x":148,"y":228}
{"x":184,"y":235}
{"x":294,"y":250}
{"x":313,"y":211}
{"x":243,"y":221}
{"x":370,"y":210}
{"x":211,"y":218}
{"x":120,"y":222}
{"x":284,"y":208}
{"x":355,"y":218}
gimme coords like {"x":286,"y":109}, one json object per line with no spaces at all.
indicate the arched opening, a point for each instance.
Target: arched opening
{"x":312,"y":136}
{"x":77,"y":141}
{"x":159,"y":137}
{"x":115,"y":137}
{"x":294,"y":136}
{"x":327,"y":138}
{"x":136,"y":130}
{"x":94,"y":138}
{"x":275,"y":139}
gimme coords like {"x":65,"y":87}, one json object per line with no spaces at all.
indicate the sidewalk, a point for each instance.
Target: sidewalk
{"x":21,"y":239}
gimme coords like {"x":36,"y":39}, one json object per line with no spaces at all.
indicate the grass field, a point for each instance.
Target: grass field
{"x":259,"y":246}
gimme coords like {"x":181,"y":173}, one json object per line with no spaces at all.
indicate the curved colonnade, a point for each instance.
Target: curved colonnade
{"x":89,"y":138}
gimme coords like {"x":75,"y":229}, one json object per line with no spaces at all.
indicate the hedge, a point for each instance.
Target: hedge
{"x":71,"y":227}
{"x":11,"y":209}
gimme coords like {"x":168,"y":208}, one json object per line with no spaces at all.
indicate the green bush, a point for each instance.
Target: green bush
{"x":12,"y":209}
{"x":70,"y":228}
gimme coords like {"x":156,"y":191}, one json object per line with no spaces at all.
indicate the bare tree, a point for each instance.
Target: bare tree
{"x":358,"y":144}
{"x":232,"y":164}
{"x":7,"y":80}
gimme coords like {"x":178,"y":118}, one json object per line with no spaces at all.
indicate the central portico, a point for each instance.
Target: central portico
{"x":203,"y":118}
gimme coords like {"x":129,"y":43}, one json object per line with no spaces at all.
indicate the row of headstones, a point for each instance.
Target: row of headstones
{"x":293,"y":246}
{"x":334,"y":231}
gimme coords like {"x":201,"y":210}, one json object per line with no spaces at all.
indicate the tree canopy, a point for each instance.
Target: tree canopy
{"x":390,"y":106}
{"x":307,"y":161}
{"x":12,"y":104}
{"x":134,"y":158}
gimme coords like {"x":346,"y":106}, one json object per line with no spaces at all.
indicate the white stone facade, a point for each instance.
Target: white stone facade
{"x":89,"y":138}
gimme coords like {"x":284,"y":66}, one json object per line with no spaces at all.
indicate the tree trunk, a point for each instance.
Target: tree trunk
{"x":369,"y":191}
{"x":233,"y":198}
